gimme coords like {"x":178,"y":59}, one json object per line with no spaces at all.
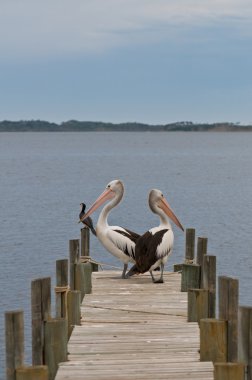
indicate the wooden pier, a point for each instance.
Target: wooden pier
{"x":104,"y":327}
{"x":134,"y":329}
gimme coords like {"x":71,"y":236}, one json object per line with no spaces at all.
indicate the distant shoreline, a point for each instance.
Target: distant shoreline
{"x":92,"y":126}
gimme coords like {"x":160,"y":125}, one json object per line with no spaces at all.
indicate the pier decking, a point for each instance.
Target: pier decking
{"x":134,"y":329}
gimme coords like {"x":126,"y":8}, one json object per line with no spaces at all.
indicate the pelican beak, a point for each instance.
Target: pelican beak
{"x":164,"y":205}
{"x":106,"y":195}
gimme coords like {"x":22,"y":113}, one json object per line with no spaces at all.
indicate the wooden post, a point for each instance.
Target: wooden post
{"x":201,"y":249}
{"x":40,"y":311}
{"x":14,"y":342}
{"x":197,"y":305}
{"x":85,"y":241}
{"x":229,"y":371}
{"x":55,"y":344}
{"x":83,"y":278}
{"x":209,"y":282}
{"x":201,"y":252}
{"x":228,"y":310}
{"x":213,"y":340}
{"x":190,"y":278}
{"x":95,"y":267}
{"x":245,"y":338}
{"x":190,"y":245}
{"x":177,"y":267}
{"x":87,"y":267}
{"x":189,"y":250}
{"x":61,"y":287}
{"x":74,"y":254}
{"x":79,"y":279}
{"x":73,"y":310}
{"x":39,"y":372}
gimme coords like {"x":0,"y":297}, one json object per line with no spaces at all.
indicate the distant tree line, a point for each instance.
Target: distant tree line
{"x":93,"y":126}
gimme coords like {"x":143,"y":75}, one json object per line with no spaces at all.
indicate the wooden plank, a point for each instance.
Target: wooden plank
{"x":134,"y":329}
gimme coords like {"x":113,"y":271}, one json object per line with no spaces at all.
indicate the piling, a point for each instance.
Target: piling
{"x":73,"y":310}
{"x":190,"y":277}
{"x":208,"y":277}
{"x":228,"y":310}
{"x":40,"y":312}
{"x":87,"y":269}
{"x":85,"y":241}
{"x":74,"y":254}
{"x":61,"y":288}
{"x":213,"y":340}
{"x":197,"y":305}
{"x":229,"y":371}
{"x":32,"y":373}
{"x":201,"y":252}
{"x":55,"y":344}
{"x":14,"y":338}
{"x":201,"y":249}
{"x":190,"y":245}
{"x":245,"y":338}
{"x":190,"y":270}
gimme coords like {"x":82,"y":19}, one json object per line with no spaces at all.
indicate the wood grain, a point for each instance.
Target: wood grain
{"x":134,"y":329}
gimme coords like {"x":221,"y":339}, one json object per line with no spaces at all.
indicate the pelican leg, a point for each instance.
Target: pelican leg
{"x":160,"y":280}
{"x":153,"y":278}
{"x":125,"y":267}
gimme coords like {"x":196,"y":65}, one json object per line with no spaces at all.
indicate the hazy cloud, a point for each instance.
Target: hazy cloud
{"x":31,"y":28}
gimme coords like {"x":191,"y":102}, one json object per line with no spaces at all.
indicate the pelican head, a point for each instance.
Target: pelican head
{"x":114,"y":189}
{"x":157,"y":201}
{"x":116,"y":186}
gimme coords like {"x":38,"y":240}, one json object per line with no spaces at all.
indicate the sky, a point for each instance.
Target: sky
{"x":149,"y":61}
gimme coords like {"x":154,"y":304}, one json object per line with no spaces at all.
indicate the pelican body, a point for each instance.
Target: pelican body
{"x":119,"y":241}
{"x":87,"y":221}
{"x":155,"y":246}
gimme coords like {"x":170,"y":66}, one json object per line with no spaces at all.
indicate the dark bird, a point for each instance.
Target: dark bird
{"x":117,"y":240}
{"x":87,"y":221}
{"x":155,"y":246}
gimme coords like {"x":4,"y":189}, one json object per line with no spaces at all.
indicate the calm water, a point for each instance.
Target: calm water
{"x":206,"y":178}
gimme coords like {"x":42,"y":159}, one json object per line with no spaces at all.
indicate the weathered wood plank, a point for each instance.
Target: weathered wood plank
{"x":134,"y":329}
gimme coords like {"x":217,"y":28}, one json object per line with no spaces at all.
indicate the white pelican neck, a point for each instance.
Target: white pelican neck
{"x":103,"y":217}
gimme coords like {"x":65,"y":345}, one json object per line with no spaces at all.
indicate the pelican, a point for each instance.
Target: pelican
{"x":87,"y":221}
{"x":155,"y":246}
{"x":117,"y":240}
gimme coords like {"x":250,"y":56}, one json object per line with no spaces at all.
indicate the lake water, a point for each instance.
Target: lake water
{"x":206,"y":177}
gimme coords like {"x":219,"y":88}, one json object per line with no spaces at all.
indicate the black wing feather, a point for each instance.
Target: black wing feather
{"x":146,"y":248}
